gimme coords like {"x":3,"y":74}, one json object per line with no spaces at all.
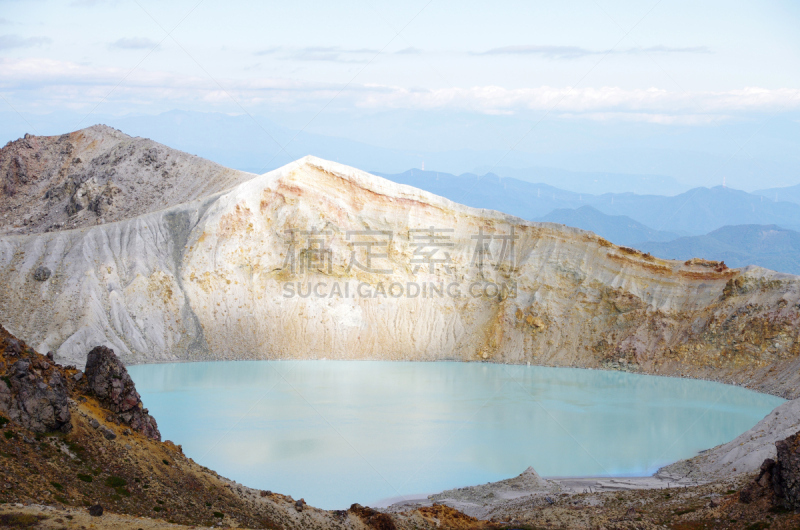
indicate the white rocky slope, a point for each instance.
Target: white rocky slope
{"x":212,"y":279}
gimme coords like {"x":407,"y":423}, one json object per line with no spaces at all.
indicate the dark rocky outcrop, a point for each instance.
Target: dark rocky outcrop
{"x":786,"y":473}
{"x":107,"y":378}
{"x":779,"y":478}
{"x":761,"y":486}
{"x":32,"y":392}
{"x":373,"y":518}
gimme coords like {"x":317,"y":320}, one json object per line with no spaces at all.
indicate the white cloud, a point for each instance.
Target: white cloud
{"x":409,"y":51}
{"x":656,"y":118}
{"x":552,"y":52}
{"x":90,"y":3}
{"x":671,"y":49}
{"x":134,"y":43}
{"x":567,"y":99}
{"x":48,"y":82}
{"x":575,"y":52}
{"x":321,"y":53}
{"x":15,"y":41}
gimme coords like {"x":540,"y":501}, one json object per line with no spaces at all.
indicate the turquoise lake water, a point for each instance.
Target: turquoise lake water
{"x":338,"y":432}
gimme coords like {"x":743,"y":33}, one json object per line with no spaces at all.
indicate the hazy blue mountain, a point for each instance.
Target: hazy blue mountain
{"x":700,"y":210}
{"x":591,"y":182}
{"x":619,"y":229}
{"x":788,"y":194}
{"x":512,"y":196}
{"x":769,"y":246}
{"x":694,"y":212}
{"x":764,"y":244}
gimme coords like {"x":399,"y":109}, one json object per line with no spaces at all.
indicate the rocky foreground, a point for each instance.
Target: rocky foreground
{"x":319,"y":260}
{"x":79,"y":449}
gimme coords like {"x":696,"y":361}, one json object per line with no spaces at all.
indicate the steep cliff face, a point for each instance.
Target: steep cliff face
{"x":319,"y":260}
{"x":98,"y":175}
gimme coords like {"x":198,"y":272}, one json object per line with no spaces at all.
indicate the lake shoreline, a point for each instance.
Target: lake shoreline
{"x":740,"y":458}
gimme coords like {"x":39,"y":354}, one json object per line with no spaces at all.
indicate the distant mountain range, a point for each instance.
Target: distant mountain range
{"x":700,"y":210}
{"x":512,"y":196}
{"x":695,"y":212}
{"x":595,"y":183}
{"x":717,"y":223}
{"x":788,"y":194}
{"x":768,"y":246}
{"x":620,"y":229}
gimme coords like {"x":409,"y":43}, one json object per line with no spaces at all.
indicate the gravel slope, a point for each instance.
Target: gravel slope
{"x":98,"y":175}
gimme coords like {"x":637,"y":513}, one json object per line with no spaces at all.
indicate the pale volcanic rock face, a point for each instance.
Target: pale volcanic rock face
{"x":227,"y":276}
{"x":573,"y":299}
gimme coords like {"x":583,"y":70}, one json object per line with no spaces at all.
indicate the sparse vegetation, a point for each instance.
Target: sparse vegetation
{"x":115,"y":482}
{"x":20,"y":520}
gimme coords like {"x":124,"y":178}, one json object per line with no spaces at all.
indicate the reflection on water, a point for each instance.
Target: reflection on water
{"x":341,"y":432}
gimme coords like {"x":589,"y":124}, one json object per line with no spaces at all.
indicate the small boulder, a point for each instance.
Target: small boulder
{"x":108,"y":433}
{"x":41,"y":274}
{"x":96,"y":510}
{"x":13,"y":347}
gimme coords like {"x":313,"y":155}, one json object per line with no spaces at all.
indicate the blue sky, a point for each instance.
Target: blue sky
{"x":381,"y":71}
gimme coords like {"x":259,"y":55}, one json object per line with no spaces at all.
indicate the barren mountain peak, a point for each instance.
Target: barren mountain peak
{"x":98,"y":175}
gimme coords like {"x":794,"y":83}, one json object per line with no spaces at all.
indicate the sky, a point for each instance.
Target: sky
{"x":422,"y":74}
